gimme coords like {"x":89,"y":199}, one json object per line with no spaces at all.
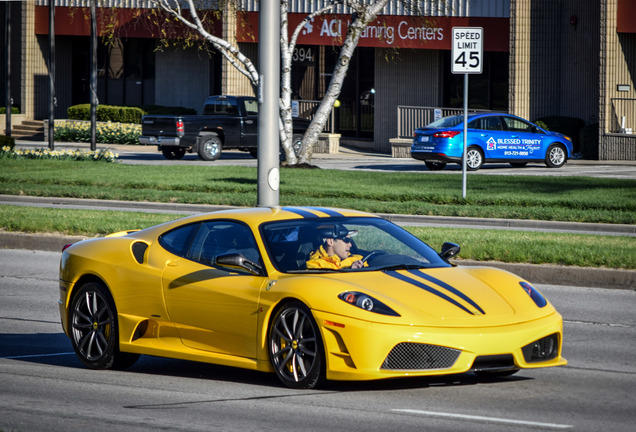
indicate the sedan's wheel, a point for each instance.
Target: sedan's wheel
{"x":435,"y":165}
{"x":474,"y":158}
{"x":94,"y":329}
{"x":173,"y":153}
{"x":295,"y":347}
{"x":556,"y":156}
{"x":209,"y":148}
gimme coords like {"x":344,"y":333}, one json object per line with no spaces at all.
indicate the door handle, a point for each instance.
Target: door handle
{"x":172,"y":263}
{"x":249,"y":121}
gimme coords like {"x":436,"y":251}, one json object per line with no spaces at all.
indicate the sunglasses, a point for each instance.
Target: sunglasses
{"x":346,"y":239}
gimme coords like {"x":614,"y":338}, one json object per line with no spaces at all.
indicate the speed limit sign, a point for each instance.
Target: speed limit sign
{"x":467,"y":50}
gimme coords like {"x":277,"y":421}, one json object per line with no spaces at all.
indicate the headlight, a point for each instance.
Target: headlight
{"x":534,"y":294}
{"x":366,"y":302}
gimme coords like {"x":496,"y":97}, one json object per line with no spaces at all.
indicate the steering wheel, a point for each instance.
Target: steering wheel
{"x":372,"y":253}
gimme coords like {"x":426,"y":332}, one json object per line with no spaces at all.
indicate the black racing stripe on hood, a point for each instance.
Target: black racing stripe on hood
{"x":425,"y":287}
{"x":446,"y":286}
{"x":300,"y":212}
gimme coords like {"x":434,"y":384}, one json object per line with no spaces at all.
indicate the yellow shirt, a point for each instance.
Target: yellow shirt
{"x":319,"y":259}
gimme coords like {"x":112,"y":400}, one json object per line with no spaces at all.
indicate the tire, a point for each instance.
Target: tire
{"x":474,"y":158}
{"x":518,"y":164}
{"x":295,"y":347}
{"x":297,"y":143}
{"x":173,"y":153}
{"x":556,"y":156}
{"x":95,"y":330}
{"x":209,"y":147}
{"x":435,"y":165}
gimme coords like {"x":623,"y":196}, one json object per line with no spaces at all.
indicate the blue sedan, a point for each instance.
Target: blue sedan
{"x":492,"y":137}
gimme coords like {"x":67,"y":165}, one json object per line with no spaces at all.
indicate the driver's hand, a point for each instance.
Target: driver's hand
{"x":357,"y":264}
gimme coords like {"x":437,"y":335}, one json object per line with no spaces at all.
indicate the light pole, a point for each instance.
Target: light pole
{"x":268,"y":108}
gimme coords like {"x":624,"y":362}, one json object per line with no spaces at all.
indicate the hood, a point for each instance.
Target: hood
{"x":456,"y":296}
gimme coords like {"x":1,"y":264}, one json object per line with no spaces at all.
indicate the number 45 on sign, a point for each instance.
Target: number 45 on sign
{"x":467,"y":50}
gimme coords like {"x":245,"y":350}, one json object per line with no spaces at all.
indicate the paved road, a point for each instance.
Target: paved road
{"x":43,"y":387}
{"x":353,"y":159}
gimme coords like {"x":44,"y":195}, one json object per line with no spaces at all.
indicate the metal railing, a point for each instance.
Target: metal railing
{"x":623,"y":115}
{"x":307,"y":109}
{"x":411,"y":117}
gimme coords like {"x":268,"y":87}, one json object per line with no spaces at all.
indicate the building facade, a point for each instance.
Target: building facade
{"x":572,"y":58}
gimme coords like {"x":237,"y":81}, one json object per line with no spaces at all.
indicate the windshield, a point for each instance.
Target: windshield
{"x":379,"y":244}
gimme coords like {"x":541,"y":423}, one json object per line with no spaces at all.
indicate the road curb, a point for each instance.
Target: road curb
{"x":543,"y":274}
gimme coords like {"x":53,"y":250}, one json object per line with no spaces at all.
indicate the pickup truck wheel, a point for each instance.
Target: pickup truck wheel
{"x":209,"y":147}
{"x":173,"y":153}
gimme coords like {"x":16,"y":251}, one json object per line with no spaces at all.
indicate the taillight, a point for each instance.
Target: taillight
{"x":446,"y":134}
{"x":180,"y":127}
{"x":66,"y":246}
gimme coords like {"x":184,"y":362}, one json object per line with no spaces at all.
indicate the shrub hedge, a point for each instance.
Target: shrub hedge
{"x":14,"y":110}
{"x":6,"y":141}
{"x":122,"y":114}
{"x":105,"y":113}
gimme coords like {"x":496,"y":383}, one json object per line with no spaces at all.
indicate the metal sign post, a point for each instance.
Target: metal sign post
{"x":466,"y":58}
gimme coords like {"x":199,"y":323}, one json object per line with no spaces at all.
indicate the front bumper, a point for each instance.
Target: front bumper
{"x":359,"y":350}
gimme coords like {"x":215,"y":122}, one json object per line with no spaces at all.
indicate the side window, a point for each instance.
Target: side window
{"x":251,"y":107}
{"x":178,"y":240}
{"x":221,"y":107}
{"x":514,"y":124}
{"x":221,"y":237}
{"x":486,"y":123}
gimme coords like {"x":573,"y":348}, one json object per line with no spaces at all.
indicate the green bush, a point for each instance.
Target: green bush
{"x":14,"y":110}
{"x":589,"y":142}
{"x":6,"y":141}
{"x":570,"y":126}
{"x":106,"y":113}
{"x":167,"y":110}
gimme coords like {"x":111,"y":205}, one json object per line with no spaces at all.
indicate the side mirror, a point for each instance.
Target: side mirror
{"x":449,"y":250}
{"x":238,"y":261}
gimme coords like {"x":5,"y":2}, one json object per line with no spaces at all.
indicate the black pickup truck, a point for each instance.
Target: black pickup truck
{"x":228,"y":122}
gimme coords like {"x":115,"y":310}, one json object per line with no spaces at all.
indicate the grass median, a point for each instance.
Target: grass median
{"x":578,"y":199}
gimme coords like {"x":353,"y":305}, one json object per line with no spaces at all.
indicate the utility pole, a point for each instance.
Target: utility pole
{"x":52,"y":74}
{"x":7,"y":62}
{"x":93,"y":80}
{"x":268,"y":108}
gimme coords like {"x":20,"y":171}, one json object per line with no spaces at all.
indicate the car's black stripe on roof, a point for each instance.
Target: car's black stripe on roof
{"x":446,"y":286}
{"x":330,"y":212}
{"x":301,"y":212}
{"x":425,"y":287}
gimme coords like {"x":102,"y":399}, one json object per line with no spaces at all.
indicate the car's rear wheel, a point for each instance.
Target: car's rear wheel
{"x":474,"y":158}
{"x":173,"y":153}
{"x":295,"y":347}
{"x":518,"y":164}
{"x":209,"y":147}
{"x":435,"y":165}
{"x":555,"y":156}
{"x":95,"y":330}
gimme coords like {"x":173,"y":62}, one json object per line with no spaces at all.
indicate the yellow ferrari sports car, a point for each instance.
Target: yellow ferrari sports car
{"x":308,"y":293}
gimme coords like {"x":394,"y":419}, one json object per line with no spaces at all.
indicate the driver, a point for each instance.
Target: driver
{"x":334,"y":253}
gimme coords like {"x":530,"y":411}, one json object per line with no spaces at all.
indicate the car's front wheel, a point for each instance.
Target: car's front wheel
{"x":556,"y":156}
{"x":295,"y":347}
{"x":209,"y":148}
{"x":435,"y":165}
{"x":95,"y":331}
{"x":474,"y":158}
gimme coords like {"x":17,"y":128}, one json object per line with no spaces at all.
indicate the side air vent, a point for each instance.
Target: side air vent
{"x":139,"y":250}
